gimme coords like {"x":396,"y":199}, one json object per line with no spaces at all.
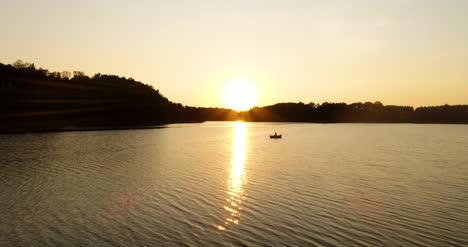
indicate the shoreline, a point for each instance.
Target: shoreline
{"x":162,"y":126}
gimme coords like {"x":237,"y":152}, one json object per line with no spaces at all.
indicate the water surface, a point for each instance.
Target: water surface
{"x":229,"y":184}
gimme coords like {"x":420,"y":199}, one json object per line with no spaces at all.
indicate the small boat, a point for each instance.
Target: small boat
{"x":275,"y":136}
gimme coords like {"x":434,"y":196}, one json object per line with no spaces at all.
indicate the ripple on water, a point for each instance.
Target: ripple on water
{"x":322,"y":186}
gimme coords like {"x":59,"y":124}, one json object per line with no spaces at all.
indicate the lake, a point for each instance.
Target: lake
{"x":229,"y":184}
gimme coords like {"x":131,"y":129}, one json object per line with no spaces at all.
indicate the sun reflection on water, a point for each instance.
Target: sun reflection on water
{"x":236,"y":181}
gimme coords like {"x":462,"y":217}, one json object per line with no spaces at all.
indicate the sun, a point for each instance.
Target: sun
{"x":239,"y":95}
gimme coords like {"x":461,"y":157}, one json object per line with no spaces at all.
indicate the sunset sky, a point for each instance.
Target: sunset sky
{"x":404,"y":52}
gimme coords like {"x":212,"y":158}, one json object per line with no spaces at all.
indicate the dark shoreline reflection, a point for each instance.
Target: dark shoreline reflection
{"x":236,"y":180}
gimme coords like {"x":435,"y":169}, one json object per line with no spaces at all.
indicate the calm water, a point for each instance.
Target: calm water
{"x":229,"y":184}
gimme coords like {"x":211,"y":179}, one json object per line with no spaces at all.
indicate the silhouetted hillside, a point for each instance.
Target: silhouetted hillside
{"x":38,"y":100}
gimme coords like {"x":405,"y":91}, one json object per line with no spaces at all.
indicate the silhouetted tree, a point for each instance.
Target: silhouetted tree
{"x":66,"y":74}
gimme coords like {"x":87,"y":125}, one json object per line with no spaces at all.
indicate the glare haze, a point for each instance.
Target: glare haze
{"x":403,"y":52}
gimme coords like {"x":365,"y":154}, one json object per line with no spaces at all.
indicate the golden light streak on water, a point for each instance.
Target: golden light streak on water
{"x":236,"y":181}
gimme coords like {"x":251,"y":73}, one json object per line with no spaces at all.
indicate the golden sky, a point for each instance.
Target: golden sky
{"x":404,"y":52}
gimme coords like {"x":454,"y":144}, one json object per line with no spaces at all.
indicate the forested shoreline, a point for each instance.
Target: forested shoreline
{"x":37,"y":100}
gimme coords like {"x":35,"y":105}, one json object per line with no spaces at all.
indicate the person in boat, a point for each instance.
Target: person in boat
{"x":275,"y":136}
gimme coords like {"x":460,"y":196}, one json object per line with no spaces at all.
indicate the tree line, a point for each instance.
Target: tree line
{"x":36,"y":99}
{"x":367,"y":112}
